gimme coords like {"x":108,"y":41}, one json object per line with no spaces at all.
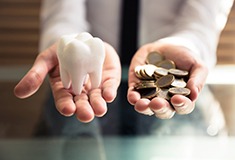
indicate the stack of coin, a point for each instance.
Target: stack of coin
{"x":159,"y":77}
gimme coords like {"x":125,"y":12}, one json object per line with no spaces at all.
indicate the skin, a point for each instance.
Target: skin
{"x":91,"y":103}
{"x":184,"y":60}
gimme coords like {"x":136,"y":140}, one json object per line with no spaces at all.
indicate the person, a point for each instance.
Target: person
{"x":185,"y":31}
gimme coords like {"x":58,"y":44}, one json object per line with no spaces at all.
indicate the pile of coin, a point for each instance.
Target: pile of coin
{"x":159,"y":77}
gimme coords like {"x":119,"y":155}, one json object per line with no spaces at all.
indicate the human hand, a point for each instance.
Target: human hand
{"x":180,"y":104}
{"x":87,"y":105}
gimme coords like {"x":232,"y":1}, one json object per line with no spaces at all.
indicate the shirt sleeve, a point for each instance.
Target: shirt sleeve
{"x":198,"y":27}
{"x":59,"y":17}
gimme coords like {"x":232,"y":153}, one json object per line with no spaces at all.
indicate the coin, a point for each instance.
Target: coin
{"x":165,"y":81}
{"x":167,"y":64}
{"x":149,"y":93}
{"x":179,"y":91}
{"x":159,"y":71}
{"x":160,"y":77}
{"x":179,"y":83}
{"x":163,"y":93}
{"x":154,"y":57}
{"x":149,"y":69}
{"x":178,"y":72}
{"x":143,"y":74}
{"x":137,"y":71}
{"x":145,"y":84}
{"x":149,"y":84}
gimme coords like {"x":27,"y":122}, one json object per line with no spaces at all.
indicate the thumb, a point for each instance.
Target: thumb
{"x":32,"y":81}
{"x":29,"y":84}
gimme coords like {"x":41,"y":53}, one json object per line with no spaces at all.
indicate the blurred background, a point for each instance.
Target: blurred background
{"x":19,"y":37}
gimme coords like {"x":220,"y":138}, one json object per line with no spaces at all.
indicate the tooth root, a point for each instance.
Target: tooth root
{"x":65,"y":78}
{"x":98,"y":51}
{"x":77,"y":82}
{"x":95,"y":78}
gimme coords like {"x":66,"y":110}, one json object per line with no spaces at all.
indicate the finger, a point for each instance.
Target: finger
{"x":132,"y":96}
{"x":109,"y":89}
{"x":138,"y":59}
{"x":141,"y":106}
{"x":63,"y":99}
{"x":182,"y":104}
{"x":97,"y":102}
{"x":31,"y":82}
{"x":84,"y":111}
{"x":111,"y":74}
{"x":197,"y":80}
{"x":161,"y":108}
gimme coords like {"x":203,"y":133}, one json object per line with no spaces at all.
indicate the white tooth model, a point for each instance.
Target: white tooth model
{"x":80,"y":55}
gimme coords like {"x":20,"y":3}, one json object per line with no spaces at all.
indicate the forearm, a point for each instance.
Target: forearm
{"x":59,"y":17}
{"x":199,"y":26}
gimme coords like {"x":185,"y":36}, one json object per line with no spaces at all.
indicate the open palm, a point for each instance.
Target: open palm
{"x":180,"y":104}
{"x":89,"y":103}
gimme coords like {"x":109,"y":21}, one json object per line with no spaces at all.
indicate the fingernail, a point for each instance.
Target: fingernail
{"x":162,"y":110}
{"x":148,"y":112}
{"x":179,"y":104}
{"x":167,"y":115}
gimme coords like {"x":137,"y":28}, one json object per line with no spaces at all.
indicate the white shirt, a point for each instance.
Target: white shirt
{"x":195,"y":24}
